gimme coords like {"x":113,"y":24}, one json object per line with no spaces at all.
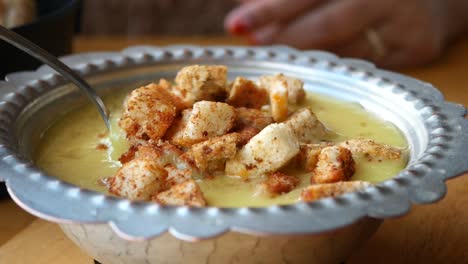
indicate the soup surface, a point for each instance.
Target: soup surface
{"x":74,"y":150}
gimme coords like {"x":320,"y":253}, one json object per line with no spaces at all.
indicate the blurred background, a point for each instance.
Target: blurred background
{"x":390,"y":33}
{"x":160,"y":17}
{"x":52,"y":23}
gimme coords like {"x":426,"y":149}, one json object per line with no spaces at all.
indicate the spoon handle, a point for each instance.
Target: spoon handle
{"x":47,"y":58}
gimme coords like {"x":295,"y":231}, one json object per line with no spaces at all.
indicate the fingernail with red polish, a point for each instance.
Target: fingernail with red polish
{"x":239,"y":28}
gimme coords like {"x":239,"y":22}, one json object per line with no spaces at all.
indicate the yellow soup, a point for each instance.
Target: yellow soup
{"x":70,"y":151}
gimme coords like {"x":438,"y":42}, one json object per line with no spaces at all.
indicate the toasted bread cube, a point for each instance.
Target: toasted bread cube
{"x":372,"y":150}
{"x":186,"y":193}
{"x":266,"y":152}
{"x":169,"y":93}
{"x":176,"y":176}
{"x":245,"y":135}
{"x":206,"y":120}
{"x":201,"y":82}
{"x":296,"y":93}
{"x":306,"y":126}
{"x":247,"y":117}
{"x":278,"y":183}
{"x":129,"y":154}
{"x":211,"y":155}
{"x":319,"y":191}
{"x":150,"y":152}
{"x":245,"y":93}
{"x":138,"y":180}
{"x":142,"y":149}
{"x":308,"y":156}
{"x":334,"y":164}
{"x":170,"y":154}
{"x":148,"y":113}
{"x":163,"y":153}
{"x":175,"y":134}
{"x":279,"y":100}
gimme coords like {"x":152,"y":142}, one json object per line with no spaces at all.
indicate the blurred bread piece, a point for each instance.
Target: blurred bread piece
{"x":334,"y":164}
{"x":187,"y":193}
{"x":306,"y":126}
{"x":201,"y":82}
{"x":245,"y":93}
{"x":279,"y":100}
{"x":14,"y":13}
{"x":295,"y":87}
{"x":372,"y":150}
{"x":137,"y":180}
{"x":276,"y":184}
{"x":319,"y":191}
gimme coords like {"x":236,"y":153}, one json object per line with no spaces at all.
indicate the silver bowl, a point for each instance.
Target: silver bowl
{"x":115,"y":230}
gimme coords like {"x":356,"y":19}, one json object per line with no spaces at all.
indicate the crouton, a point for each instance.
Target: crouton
{"x":176,"y":176}
{"x":148,"y":113}
{"x":318,"y":191}
{"x":201,"y":82}
{"x":279,"y":100}
{"x":150,"y":152}
{"x":278,"y":183}
{"x":162,"y":153}
{"x":308,"y":155}
{"x":178,"y":166}
{"x":266,"y":152}
{"x":165,"y":84}
{"x":334,"y":164}
{"x":175,"y":100}
{"x":245,"y":93}
{"x":137,"y":179}
{"x":245,"y":135}
{"x":128,"y":155}
{"x":296,"y":93}
{"x":186,"y":193}
{"x":142,"y":149}
{"x":211,"y":155}
{"x":175,"y":133}
{"x":247,"y":117}
{"x":204,"y":121}
{"x":372,"y":150}
{"x":306,"y":126}
{"x":169,"y":154}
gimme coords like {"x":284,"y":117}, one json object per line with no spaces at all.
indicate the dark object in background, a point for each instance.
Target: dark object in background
{"x":52,"y":30}
{"x":160,"y":17}
{"x":3,"y":191}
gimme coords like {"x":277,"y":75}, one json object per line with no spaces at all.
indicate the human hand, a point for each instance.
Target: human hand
{"x":389,"y":32}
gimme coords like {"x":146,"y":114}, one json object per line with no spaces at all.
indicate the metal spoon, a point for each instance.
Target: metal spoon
{"x":47,"y":58}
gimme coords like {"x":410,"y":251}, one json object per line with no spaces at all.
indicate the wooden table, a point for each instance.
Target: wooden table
{"x":435,"y":233}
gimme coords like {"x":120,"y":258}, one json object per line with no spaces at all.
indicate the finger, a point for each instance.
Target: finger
{"x":399,"y":56}
{"x":331,"y":24}
{"x":408,"y":50}
{"x":362,"y":48}
{"x":264,"y":35}
{"x":359,"y":47}
{"x":252,"y":15}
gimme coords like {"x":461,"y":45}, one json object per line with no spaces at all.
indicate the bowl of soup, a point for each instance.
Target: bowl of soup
{"x":263,"y":197}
